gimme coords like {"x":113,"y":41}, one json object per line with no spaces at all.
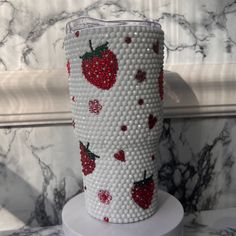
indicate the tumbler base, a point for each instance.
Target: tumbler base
{"x":166,"y":222}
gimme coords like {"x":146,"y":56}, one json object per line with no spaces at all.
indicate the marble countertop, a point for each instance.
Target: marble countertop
{"x":220,"y":222}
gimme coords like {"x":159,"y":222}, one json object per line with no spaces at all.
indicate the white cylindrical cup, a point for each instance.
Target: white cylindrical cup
{"x":116,"y":85}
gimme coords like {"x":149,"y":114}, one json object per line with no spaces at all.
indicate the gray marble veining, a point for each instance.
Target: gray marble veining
{"x":32,"y":35}
{"x":197,"y":163}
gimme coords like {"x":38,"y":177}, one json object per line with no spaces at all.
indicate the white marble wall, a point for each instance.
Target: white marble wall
{"x":31,"y":33}
{"x":39,"y":171}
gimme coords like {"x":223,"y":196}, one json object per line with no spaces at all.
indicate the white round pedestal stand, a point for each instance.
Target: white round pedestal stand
{"x":166,"y":222}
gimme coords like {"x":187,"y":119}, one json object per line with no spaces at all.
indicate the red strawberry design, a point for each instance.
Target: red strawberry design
{"x":142,"y":191}
{"x":68,"y":67}
{"x":152,"y":120}
{"x":87,"y":159}
{"x":100,"y":66}
{"x":120,"y":156}
{"x":106,"y":219}
{"x":95,"y":106}
{"x":155,"y":47}
{"x":104,"y":196}
{"x":140,"y":76}
{"x":161,"y":84}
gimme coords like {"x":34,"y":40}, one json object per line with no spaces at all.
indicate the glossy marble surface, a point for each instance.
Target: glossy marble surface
{"x":206,"y":223}
{"x":32,"y":35}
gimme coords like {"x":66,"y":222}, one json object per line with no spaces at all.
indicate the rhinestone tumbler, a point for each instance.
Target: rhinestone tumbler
{"x":115,"y":71}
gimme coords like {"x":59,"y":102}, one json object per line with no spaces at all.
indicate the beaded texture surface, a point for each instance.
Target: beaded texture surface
{"x":116,"y":86}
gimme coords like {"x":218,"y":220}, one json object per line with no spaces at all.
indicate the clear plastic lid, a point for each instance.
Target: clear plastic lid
{"x":88,"y":22}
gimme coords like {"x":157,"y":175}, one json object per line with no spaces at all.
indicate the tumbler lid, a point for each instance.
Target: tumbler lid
{"x":88,"y":22}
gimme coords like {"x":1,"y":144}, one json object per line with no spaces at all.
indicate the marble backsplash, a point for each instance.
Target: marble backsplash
{"x":32,"y":34}
{"x":40,"y":168}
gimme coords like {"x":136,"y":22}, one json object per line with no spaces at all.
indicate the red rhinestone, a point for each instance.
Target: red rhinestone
{"x":73,"y":98}
{"x":95,"y":106}
{"x":106,"y":219}
{"x":104,"y":196}
{"x":124,"y":128}
{"x":140,"y":76}
{"x":128,"y":39}
{"x":68,"y":67}
{"x":140,"y":101}
{"x":77,"y":34}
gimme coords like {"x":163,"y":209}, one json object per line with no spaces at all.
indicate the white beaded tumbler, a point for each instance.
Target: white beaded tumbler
{"x":115,"y":71}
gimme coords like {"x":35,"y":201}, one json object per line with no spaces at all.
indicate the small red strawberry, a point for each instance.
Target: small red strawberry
{"x":95,"y":106}
{"x":142,"y":191}
{"x":155,"y":47}
{"x":104,"y":196}
{"x":120,"y":156}
{"x":100,"y":66}
{"x":87,"y":159}
{"x":106,"y":219}
{"x":68,"y":67}
{"x":152,"y":120}
{"x":161,"y":84}
{"x":140,"y":76}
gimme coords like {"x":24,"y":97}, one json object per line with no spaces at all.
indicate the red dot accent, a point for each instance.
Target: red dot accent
{"x":128,"y":40}
{"x":77,"y":34}
{"x":95,"y":106}
{"x":68,"y":67}
{"x":140,"y":101}
{"x":73,"y":98}
{"x":106,"y":219}
{"x":124,"y":128}
{"x":140,"y":76}
{"x":104,"y":197}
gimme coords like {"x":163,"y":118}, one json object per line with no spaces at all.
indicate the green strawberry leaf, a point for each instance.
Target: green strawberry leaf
{"x":97,"y":52}
{"x":90,"y":154}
